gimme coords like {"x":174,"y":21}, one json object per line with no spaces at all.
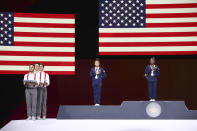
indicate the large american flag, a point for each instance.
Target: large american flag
{"x":28,"y":38}
{"x":147,"y":27}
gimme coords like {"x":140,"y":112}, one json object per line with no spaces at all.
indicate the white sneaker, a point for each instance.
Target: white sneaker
{"x":97,"y":105}
{"x":33,"y":118}
{"x":38,"y":118}
{"x":29,"y":118}
{"x":153,"y":100}
{"x":44,"y":117}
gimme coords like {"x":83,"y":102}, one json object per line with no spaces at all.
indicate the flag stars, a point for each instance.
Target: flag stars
{"x":9,"y":29}
{"x":2,"y":28}
{"x":6,"y":25}
{"x":9,"y":22}
{"x":2,"y":15}
{"x":1,"y":21}
{"x":6,"y":18}
{"x":1,"y":42}
{"x":5,"y":38}
{"x":9,"y":15}
{"x":121,"y":13}
{"x":9,"y":35}
{"x":1,"y":35}
{"x":9,"y":42}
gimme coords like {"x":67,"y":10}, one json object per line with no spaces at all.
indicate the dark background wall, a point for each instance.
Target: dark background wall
{"x":125,"y":79}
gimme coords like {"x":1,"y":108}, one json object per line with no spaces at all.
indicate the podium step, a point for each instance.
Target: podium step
{"x":129,"y":110}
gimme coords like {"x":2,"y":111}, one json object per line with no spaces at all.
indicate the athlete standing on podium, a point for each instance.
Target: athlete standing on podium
{"x":152,"y":71}
{"x":97,"y":74}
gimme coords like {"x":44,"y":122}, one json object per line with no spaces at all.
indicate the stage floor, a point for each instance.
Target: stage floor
{"x":101,"y":125}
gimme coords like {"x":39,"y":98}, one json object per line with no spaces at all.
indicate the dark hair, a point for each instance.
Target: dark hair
{"x":97,"y":59}
{"x":31,"y":65}
{"x":41,"y":64}
{"x":37,"y":63}
{"x":153,"y":58}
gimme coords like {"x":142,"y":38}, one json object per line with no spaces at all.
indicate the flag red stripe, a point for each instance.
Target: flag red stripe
{"x":156,"y":34}
{"x":44,"y":44}
{"x":160,"y":6}
{"x":49,"y":72}
{"x":139,"y":44}
{"x":26,"y":63}
{"x":157,"y":25}
{"x":39,"y":15}
{"x":35,"y":34}
{"x":171,"y":15}
{"x":28,"y":53}
{"x":46,"y":25}
{"x":150,"y":53}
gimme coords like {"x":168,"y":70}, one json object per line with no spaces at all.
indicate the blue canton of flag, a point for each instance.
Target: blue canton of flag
{"x":122,"y":13}
{"x":6,"y":29}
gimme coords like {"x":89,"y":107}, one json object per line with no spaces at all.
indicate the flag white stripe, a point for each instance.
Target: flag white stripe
{"x":178,"y":10}
{"x":37,"y":49}
{"x":44,"y":30}
{"x":44,"y":20}
{"x":170,"y":1}
{"x":147,"y":30}
{"x":26,"y":68}
{"x":43,"y":39}
{"x":170,"y":20}
{"x":146,"y":39}
{"x":151,"y":49}
{"x":37,"y":58}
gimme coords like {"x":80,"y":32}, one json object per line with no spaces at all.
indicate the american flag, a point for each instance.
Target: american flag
{"x":147,"y":27}
{"x":28,"y":38}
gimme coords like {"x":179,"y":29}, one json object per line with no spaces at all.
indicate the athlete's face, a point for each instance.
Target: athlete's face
{"x":96,"y":63}
{"x":152,"y":61}
{"x":41,"y":68}
{"x":37,"y":66}
{"x":31,"y":68}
